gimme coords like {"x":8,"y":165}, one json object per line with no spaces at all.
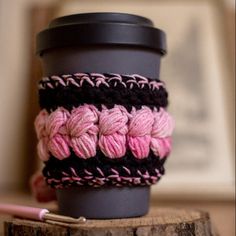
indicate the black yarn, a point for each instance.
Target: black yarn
{"x":54,"y":167}
{"x":72,"y":96}
{"x":99,"y":107}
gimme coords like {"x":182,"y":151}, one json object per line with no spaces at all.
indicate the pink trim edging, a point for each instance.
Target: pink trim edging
{"x":96,"y":80}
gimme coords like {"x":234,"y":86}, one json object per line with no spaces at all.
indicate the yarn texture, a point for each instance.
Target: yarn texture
{"x":100,"y":170}
{"x":70,"y":91}
{"x":113,"y":131}
{"x":97,"y":129}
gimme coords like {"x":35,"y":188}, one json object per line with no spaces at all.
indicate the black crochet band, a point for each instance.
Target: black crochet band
{"x":73,"y":90}
{"x":100,"y":170}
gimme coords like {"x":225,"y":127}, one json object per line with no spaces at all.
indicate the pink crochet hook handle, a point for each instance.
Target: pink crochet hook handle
{"x":23,"y":211}
{"x":34,"y":213}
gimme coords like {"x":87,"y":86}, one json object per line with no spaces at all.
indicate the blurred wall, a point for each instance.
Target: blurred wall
{"x":14,"y":58}
{"x":12,"y":91}
{"x":14,"y":61}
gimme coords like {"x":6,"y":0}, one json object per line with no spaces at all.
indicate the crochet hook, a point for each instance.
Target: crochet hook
{"x":40,"y":214}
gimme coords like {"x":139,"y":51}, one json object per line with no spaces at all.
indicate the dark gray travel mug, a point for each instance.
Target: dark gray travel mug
{"x":102,"y":42}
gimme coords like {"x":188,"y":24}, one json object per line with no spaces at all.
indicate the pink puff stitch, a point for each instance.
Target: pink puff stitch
{"x":83,"y":130}
{"x":112,"y":131}
{"x":163,"y":124}
{"x":161,"y":131}
{"x":161,"y":146}
{"x":40,"y":128}
{"x":140,"y":127}
{"x":58,"y":143}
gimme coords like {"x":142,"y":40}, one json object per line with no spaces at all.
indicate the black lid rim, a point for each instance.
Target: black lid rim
{"x":132,"y":18}
{"x":72,"y":33}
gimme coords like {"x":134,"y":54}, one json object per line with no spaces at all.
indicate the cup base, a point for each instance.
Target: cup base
{"x":104,"y":202}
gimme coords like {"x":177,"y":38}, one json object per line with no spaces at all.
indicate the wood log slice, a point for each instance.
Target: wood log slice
{"x":159,"y":222}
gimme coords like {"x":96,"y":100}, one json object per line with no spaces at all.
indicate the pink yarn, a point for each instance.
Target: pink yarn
{"x":162,"y":130}
{"x":40,"y":128}
{"x":96,"y":80}
{"x":163,"y":124}
{"x":140,"y":127}
{"x":112,"y":131}
{"x":83,"y":130}
{"x":58,"y":143}
{"x":42,"y":149}
{"x":161,"y":146}
{"x":39,"y":123}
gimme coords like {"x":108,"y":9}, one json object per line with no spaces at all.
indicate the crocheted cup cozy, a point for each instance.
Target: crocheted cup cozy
{"x":103,"y":129}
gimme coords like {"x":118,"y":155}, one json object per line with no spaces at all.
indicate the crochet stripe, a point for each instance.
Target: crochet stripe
{"x":80,"y":88}
{"x":100,"y":170}
{"x":97,"y":80}
{"x":114,"y":131}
